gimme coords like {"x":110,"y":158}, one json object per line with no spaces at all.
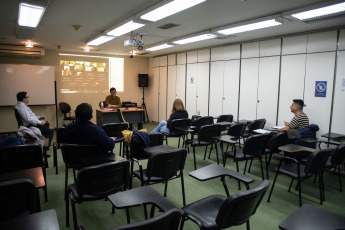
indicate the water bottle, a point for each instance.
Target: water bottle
{"x":102,"y":105}
{"x":198,"y":112}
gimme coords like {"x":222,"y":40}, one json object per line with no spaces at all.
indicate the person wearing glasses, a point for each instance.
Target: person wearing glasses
{"x":113,"y":101}
{"x":29,"y":118}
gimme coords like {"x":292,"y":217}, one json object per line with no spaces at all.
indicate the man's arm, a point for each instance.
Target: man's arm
{"x":28,"y":116}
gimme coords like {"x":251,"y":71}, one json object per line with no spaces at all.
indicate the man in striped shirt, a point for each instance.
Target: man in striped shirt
{"x":300,"y":120}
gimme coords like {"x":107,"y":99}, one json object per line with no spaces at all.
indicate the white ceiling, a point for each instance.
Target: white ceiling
{"x":96,"y":16}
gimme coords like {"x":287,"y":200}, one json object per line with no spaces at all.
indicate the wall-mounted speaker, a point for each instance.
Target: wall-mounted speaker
{"x":143,"y":80}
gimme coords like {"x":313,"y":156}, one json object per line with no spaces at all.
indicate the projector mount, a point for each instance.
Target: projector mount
{"x":134,"y":42}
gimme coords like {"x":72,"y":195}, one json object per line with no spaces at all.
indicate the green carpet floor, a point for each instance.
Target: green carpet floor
{"x":96,"y":215}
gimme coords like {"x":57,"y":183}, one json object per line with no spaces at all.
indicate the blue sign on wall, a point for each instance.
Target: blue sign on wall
{"x":320,"y":88}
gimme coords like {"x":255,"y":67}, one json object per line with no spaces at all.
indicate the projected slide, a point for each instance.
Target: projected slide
{"x":84,"y":77}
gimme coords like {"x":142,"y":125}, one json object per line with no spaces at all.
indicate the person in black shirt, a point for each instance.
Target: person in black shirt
{"x":177,"y":112}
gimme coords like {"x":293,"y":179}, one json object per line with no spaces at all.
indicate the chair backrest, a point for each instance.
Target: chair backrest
{"x":166,"y":164}
{"x":115,"y":129}
{"x":20,"y":157}
{"x":338,"y":155}
{"x":256,"y":144}
{"x":279,"y":139}
{"x":238,"y":208}
{"x":317,"y":161}
{"x":18,"y":118}
{"x":136,"y":150}
{"x":257,"y":124}
{"x":103,"y":179}
{"x":78,"y":156}
{"x":17,"y":197}
{"x":225,"y":117}
{"x":237,"y":130}
{"x":201,"y":121}
{"x":207,"y":132}
{"x":156,"y":139}
{"x":65,"y":108}
{"x":169,"y":220}
{"x":178,"y":123}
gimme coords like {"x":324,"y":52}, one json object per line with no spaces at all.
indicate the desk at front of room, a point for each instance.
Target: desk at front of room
{"x":131,"y":115}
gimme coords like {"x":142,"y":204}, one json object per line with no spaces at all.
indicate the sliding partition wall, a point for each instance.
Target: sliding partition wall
{"x":260,"y":79}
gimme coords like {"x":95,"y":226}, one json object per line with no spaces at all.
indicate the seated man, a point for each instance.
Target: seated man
{"x":30,"y":119}
{"x":300,"y":120}
{"x":113,"y":101}
{"x":84,"y":132}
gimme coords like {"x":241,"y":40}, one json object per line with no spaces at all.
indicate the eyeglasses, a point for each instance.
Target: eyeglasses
{"x":27,"y":97}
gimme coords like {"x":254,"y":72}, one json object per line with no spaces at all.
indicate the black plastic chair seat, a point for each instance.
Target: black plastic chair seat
{"x":145,"y":178}
{"x":196,"y":142}
{"x":72,"y":188}
{"x":239,"y":155}
{"x":290,"y":170}
{"x":204,"y":212}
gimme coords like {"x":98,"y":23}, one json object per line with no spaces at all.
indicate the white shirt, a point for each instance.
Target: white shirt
{"x":28,"y":117}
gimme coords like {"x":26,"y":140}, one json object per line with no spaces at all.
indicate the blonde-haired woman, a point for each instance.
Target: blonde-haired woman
{"x":177,"y":112}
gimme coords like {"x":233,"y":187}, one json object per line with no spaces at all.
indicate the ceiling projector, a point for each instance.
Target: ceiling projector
{"x":134,"y":43}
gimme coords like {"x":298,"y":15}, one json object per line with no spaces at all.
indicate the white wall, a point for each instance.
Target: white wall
{"x":260,"y":79}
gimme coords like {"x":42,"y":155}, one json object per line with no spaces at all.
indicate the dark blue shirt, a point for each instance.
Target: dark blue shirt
{"x":87,"y":133}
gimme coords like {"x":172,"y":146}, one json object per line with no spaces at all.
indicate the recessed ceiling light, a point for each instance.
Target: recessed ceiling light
{"x":195,"y":39}
{"x":170,"y":8}
{"x":125,"y":28}
{"x":160,"y":47}
{"x":30,"y":15}
{"x":319,"y":12}
{"x":100,"y":40}
{"x":250,"y":27}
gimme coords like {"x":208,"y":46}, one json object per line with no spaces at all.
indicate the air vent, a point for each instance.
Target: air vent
{"x":143,"y":53}
{"x":167,"y":26}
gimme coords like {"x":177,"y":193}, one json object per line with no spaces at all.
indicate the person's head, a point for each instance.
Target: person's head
{"x":177,"y":105}
{"x":297,"y":105}
{"x":113,"y":92}
{"x":23,"y":97}
{"x":83,"y":112}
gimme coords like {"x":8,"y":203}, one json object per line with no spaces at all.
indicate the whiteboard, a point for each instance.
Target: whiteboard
{"x":36,"y":80}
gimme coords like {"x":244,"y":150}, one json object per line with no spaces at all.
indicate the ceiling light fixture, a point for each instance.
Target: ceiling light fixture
{"x":30,"y":15}
{"x":160,"y":47}
{"x":29,"y":44}
{"x":319,"y":12}
{"x":170,"y":8}
{"x":125,"y":28}
{"x":194,"y":39}
{"x":250,"y":27}
{"x":100,"y":40}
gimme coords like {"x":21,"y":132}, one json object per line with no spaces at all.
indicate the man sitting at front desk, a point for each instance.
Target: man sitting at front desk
{"x":113,"y":101}
{"x":84,"y":132}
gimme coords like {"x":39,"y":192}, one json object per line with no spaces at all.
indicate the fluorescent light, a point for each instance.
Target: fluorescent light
{"x":100,"y":40}
{"x":249,"y":27}
{"x":30,"y":15}
{"x":160,"y":47}
{"x":125,"y":28}
{"x":320,"y":11}
{"x":194,"y":39}
{"x":170,"y":9}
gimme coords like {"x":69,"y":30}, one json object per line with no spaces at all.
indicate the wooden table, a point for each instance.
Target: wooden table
{"x":46,"y":220}
{"x":131,"y":115}
{"x":34,"y":174}
{"x":140,"y":196}
{"x":310,"y":217}
{"x":213,"y":171}
{"x":158,"y":148}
